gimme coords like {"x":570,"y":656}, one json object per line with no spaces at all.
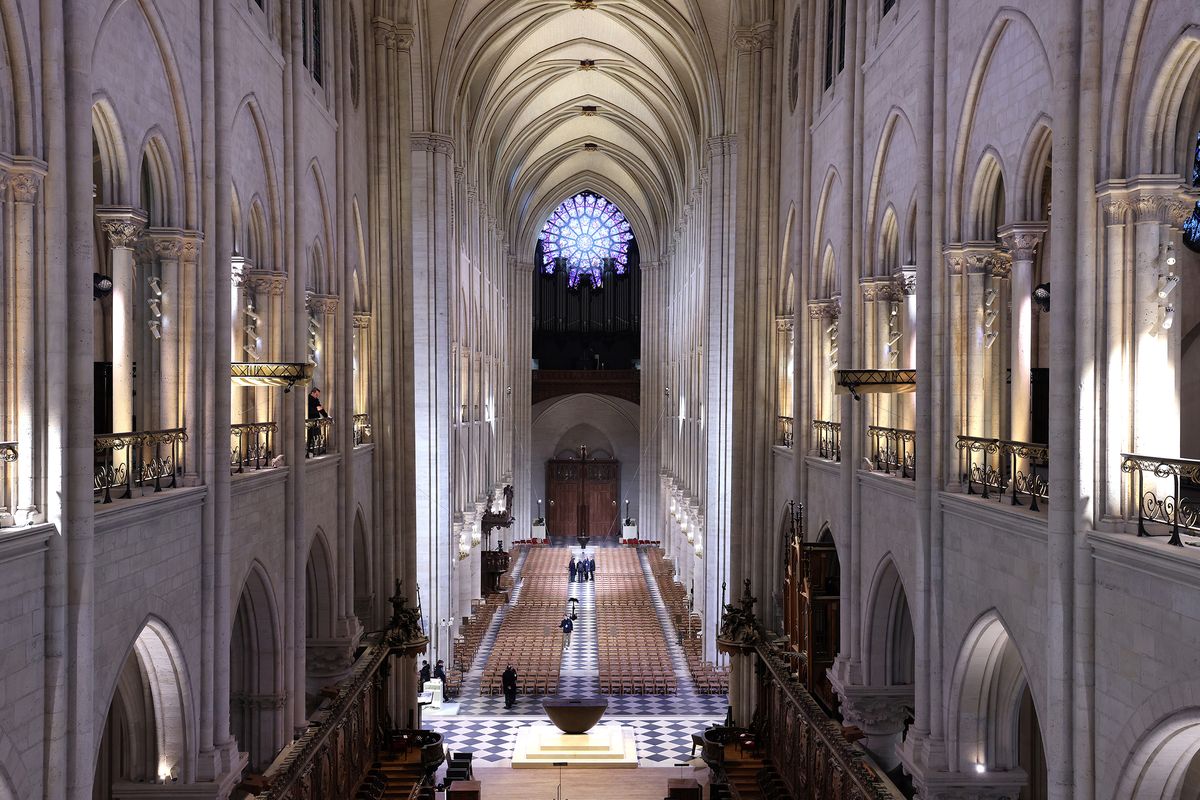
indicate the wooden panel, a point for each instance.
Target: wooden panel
{"x":564,"y":488}
{"x":601,"y":485}
{"x":583,"y":497}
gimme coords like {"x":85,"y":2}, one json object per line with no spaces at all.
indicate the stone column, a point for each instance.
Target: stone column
{"x":26,"y":182}
{"x":879,"y":712}
{"x":907,"y":296}
{"x":190,"y":356}
{"x":323,"y":308}
{"x":870,"y":349}
{"x":527,"y":485}
{"x":1155,"y":374}
{"x":956,"y":377}
{"x":1115,"y":345}
{"x":168,"y":247}
{"x":267,"y":288}
{"x":123,"y":227}
{"x":1022,"y":240}
{"x":978,"y":271}
{"x":362,"y":362}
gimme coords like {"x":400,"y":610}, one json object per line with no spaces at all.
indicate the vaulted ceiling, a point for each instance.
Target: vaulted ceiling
{"x":550,"y":97}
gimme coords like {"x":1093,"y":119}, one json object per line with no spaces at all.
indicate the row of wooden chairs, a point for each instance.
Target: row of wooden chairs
{"x":633,"y":653}
{"x":707,"y":678}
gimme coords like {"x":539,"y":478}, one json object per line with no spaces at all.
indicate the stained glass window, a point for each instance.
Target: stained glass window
{"x":1191,"y":226}
{"x":584,"y":235}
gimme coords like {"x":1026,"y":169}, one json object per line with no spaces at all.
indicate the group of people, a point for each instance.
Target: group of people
{"x":583,"y":569}
{"x":429,"y":673}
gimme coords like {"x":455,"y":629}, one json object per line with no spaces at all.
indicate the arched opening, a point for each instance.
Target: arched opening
{"x":364,"y":589}
{"x":812,"y":599}
{"x":145,"y":735}
{"x":988,"y":200}
{"x":994,"y":726}
{"x":257,"y":699}
{"x":1165,"y":765}
{"x":327,"y":656}
{"x":888,"y":640}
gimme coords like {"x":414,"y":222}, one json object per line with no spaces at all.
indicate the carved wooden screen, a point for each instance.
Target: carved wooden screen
{"x":583,"y":497}
{"x":818,"y":613}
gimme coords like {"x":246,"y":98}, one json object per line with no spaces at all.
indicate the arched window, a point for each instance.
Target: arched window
{"x":1191,"y":226}
{"x":584,"y":235}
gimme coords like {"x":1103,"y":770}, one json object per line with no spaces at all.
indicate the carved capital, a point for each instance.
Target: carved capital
{"x":391,"y":35}
{"x":122,"y":225}
{"x":1151,"y":208}
{"x":1179,"y":210}
{"x":1023,"y":239}
{"x":430,"y":142}
{"x":267,"y":281}
{"x":824,"y":309}
{"x":956,"y":261}
{"x":986,"y":261}
{"x":362,"y":319}
{"x":321,"y":303}
{"x":1116,"y":210}
{"x":785,"y":324}
{"x":193,"y":241}
{"x":25,"y":186}
{"x":752,"y":40}
{"x":167,"y":243}
{"x":721,"y":146}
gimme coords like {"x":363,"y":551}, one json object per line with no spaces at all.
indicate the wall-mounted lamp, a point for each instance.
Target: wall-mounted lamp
{"x":1166,"y":254}
{"x":1167,"y":284}
{"x":1168,"y":318}
{"x":989,"y":297}
{"x":155,"y":285}
{"x":155,"y":328}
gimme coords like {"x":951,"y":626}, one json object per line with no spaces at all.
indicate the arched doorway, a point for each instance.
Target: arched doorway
{"x":994,"y":727}
{"x":145,"y":735}
{"x":257,"y":698}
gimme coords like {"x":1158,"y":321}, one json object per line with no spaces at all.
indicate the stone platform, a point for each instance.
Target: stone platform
{"x":609,"y":745}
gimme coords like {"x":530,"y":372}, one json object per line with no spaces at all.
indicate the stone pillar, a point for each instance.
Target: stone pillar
{"x":123,"y":227}
{"x":26,"y":182}
{"x":362,"y":362}
{"x":190,"y":356}
{"x":323,"y":308}
{"x":1022,"y":240}
{"x":907,"y":296}
{"x":267,"y":288}
{"x":526,"y":484}
{"x":1155,"y":373}
{"x":977,"y":274}
{"x":956,"y":377}
{"x":168,"y":246}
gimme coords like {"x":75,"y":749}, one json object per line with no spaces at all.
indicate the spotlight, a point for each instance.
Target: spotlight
{"x":1168,"y":318}
{"x":102,"y":286}
{"x":895,"y":337}
{"x":980,"y":768}
{"x":895,"y":309}
{"x":1167,"y":284}
{"x":1041,"y":296}
{"x":989,"y":297}
{"x":155,"y":328}
{"x":155,"y":285}
{"x":989,"y":339}
{"x":154,"y":307}
{"x":832,"y":329}
{"x":1167,"y":254}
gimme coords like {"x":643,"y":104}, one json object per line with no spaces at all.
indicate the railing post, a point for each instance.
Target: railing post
{"x":1175,"y":540}
{"x":1141,"y":503}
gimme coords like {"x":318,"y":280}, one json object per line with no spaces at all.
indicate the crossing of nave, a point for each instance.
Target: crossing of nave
{"x":624,"y":647}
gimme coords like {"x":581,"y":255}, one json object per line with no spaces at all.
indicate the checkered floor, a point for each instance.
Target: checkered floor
{"x":663,"y":724}
{"x":660,"y":742}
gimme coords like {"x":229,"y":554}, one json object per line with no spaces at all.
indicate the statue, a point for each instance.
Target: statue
{"x":739,"y":626}
{"x":405,"y":624}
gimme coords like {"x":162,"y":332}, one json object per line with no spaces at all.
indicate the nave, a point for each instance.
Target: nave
{"x":625,"y":648}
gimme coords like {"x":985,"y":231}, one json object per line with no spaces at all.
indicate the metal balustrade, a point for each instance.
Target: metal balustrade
{"x":362,"y":429}
{"x":783,"y":431}
{"x":317,"y":433}
{"x":251,"y":445}
{"x":138,"y":459}
{"x":894,"y":450}
{"x":999,"y":466}
{"x":829,"y":439}
{"x":1177,"y":510}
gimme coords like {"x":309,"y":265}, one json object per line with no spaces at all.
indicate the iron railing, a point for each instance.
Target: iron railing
{"x":362,"y":429}
{"x":1175,"y":510}
{"x":317,"y":433}
{"x":894,"y":450}
{"x":829,"y":439}
{"x":251,"y":445}
{"x":138,"y":459}
{"x":783,"y":431}
{"x":997,"y":466}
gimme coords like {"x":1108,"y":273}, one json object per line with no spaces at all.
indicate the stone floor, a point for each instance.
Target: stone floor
{"x":663,"y":724}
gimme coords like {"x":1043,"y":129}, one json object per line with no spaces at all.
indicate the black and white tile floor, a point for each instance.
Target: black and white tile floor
{"x":663,"y":724}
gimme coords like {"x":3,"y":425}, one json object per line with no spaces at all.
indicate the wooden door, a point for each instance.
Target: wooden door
{"x":583,"y":497}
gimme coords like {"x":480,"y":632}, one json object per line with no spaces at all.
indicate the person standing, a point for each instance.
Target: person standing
{"x":316,"y":438}
{"x":426,"y":674}
{"x":572,"y":568}
{"x":591,"y":568}
{"x":509,"y":681}
{"x":567,"y":626}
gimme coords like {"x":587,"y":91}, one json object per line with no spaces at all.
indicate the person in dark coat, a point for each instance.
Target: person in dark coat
{"x":315,"y":411}
{"x":567,"y":626}
{"x":591,"y":568}
{"x":572,"y":568}
{"x":509,"y":681}
{"x":426,"y":674}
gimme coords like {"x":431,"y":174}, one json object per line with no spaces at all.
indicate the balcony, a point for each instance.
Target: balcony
{"x":894,"y":450}
{"x":829,"y":439}
{"x":251,"y":446}
{"x":317,"y":436}
{"x":783,"y":431}
{"x":1165,"y":502}
{"x":998,"y":466}
{"x":362,"y":430}
{"x":622,"y":383}
{"x":137,"y":461}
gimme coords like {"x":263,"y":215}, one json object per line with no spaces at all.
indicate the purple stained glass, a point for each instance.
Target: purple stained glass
{"x":583,"y":233}
{"x":1191,"y":225}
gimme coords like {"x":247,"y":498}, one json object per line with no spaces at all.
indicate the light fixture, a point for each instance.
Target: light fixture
{"x":102,"y":286}
{"x":1168,"y":318}
{"x":832,"y":329}
{"x":155,"y":328}
{"x":895,"y":337}
{"x":980,"y":768}
{"x":989,"y":319}
{"x":155,"y":285}
{"x":1167,"y":284}
{"x":989,"y":297}
{"x":155,"y":309}
{"x":1041,"y":296}
{"x":1166,"y":253}
{"x":895,"y":309}
{"x":989,"y":339}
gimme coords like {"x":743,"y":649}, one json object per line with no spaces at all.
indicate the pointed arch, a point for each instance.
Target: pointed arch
{"x":889,"y":243}
{"x":1035,"y":160}
{"x":829,"y":185}
{"x":108,"y":145}
{"x":157,"y":195}
{"x":1165,"y":145}
{"x":249,"y":105}
{"x":364,"y":584}
{"x":987,"y":211}
{"x":320,"y":589}
{"x":256,"y":670}
{"x":888,"y":643}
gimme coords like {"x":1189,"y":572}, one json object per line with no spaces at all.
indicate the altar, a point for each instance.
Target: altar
{"x":574,"y":739}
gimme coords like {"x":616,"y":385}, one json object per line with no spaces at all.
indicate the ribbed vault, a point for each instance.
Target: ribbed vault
{"x":548,"y":99}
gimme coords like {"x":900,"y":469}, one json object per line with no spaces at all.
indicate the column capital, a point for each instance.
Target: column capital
{"x":752,"y":40}
{"x":362,"y":319}
{"x":432,"y":142}
{"x":24,"y":175}
{"x":906,"y":279}
{"x":824,"y":309}
{"x":392,"y":35}
{"x":1116,"y":210}
{"x":720,"y":146}
{"x":983,"y":258}
{"x":193,"y":241}
{"x":1023,"y":238}
{"x":649,"y":266}
{"x":167,"y":242}
{"x":785,"y":324}
{"x":523,"y":267}
{"x":123,"y":224}
{"x":321,"y":303}
{"x":267,"y":280}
